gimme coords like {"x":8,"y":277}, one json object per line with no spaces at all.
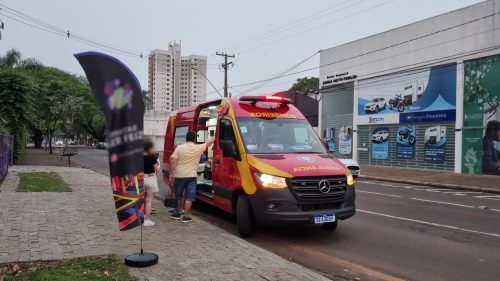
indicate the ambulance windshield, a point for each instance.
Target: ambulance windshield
{"x":279,"y":136}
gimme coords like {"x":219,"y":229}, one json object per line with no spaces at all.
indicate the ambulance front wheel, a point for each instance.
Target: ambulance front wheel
{"x":244,"y":217}
{"x":331,"y":226}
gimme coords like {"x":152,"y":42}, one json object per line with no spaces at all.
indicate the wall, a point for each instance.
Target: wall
{"x":416,"y":44}
{"x":452,"y":38}
{"x":155,"y":126}
{"x":417,"y":162}
{"x":337,"y":110}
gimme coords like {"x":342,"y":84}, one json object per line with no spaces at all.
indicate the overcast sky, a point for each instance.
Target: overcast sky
{"x":209,"y":26}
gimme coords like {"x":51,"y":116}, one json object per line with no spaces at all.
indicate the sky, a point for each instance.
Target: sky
{"x":267,"y":37}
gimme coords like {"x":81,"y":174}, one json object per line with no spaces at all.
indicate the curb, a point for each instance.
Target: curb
{"x":159,"y":197}
{"x":434,"y":184}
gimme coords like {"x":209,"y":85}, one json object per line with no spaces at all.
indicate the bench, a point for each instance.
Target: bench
{"x":69,"y":152}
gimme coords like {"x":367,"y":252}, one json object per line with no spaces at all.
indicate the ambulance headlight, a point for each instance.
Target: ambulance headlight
{"x":350,"y":178}
{"x":270,"y":181}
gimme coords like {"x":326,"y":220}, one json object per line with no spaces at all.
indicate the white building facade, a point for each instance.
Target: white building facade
{"x":155,"y":126}
{"x":420,"y":96}
{"x":176,"y":81}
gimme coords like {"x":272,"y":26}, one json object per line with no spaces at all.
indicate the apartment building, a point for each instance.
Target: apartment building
{"x":174,"y":80}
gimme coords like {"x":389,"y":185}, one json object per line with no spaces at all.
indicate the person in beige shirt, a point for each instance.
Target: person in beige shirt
{"x":183,"y":166}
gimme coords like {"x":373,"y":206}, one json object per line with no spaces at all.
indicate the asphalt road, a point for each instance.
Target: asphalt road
{"x":400,"y":231}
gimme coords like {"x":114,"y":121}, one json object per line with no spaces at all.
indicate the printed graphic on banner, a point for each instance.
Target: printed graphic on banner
{"x":435,"y":144}
{"x":405,"y":142}
{"x":345,"y":140}
{"x":427,"y":96}
{"x":481,"y":133}
{"x":329,"y":137}
{"x":380,"y":143}
{"x":119,"y":94}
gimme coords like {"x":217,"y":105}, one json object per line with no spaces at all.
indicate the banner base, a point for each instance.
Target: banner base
{"x":143,"y":259}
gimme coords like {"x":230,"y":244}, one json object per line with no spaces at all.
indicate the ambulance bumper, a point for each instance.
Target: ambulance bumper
{"x":281,"y":207}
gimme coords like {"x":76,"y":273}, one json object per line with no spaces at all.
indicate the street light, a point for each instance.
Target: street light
{"x":207,"y":80}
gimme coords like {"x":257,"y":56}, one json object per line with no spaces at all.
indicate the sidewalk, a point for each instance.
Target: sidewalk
{"x":46,"y":226}
{"x":485,"y":183}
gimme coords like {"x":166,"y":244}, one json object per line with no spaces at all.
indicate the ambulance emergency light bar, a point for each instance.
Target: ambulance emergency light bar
{"x":276,"y":99}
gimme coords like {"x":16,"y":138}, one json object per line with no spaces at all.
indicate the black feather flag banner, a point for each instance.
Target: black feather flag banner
{"x":119,"y":94}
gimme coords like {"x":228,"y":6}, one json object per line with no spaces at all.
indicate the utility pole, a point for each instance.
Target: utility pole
{"x":225,"y":65}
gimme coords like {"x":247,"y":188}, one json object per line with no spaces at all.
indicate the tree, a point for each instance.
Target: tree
{"x":69,"y":109}
{"x":60,"y":97}
{"x":13,"y":60}
{"x":15,"y":107}
{"x":306,"y":85}
{"x":146,"y":98}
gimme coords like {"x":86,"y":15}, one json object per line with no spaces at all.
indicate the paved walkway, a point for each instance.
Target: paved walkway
{"x":442,"y":179}
{"x":46,"y":226}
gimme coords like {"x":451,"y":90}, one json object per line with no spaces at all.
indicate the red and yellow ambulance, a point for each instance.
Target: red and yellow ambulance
{"x":267,"y":164}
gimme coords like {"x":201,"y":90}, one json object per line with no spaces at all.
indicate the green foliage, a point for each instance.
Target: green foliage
{"x":44,"y":99}
{"x":15,"y":107}
{"x":41,"y":182}
{"x":306,"y":85}
{"x":61,"y":94}
{"x":103,"y":268}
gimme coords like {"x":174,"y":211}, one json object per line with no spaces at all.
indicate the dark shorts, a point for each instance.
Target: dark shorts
{"x":185,"y":188}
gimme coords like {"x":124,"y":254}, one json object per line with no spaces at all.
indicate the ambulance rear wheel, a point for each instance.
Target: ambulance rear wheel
{"x":244,"y":217}
{"x":331,"y":226}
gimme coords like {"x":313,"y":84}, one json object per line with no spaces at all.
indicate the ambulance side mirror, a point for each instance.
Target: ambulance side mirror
{"x":228,"y":149}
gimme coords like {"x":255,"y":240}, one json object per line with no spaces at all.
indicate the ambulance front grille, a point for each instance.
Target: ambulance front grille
{"x":307,"y":188}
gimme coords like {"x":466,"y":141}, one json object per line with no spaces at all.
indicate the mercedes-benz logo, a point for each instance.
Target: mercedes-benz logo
{"x":324,"y":186}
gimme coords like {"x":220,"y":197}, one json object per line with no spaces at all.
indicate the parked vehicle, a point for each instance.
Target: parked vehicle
{"x":101,"y":145}
{"x":407,"y":134}
{"x":433,"y":135}
{"x":59,"y":143}
{"x":398,"y":103}
{"x":267,"y":166}
{"x":375,"y":105}
{"x":350,"y":163}
{"x":380,"y":136}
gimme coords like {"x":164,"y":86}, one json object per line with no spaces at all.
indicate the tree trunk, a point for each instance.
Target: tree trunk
{"x":50,"y":142}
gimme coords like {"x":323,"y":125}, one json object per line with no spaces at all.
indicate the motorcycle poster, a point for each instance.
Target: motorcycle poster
{"x":345,"y":140}
{"x":405,"y":142}
{"x":380,"y":143}
{"x":435,"y":144}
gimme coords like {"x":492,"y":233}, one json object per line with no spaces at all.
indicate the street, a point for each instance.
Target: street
{"x":402,"y":231}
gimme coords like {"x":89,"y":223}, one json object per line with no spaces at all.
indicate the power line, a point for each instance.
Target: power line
{"x":404,"y":71}
{"x":418,"y":66}
{"x":427,"y":47}
{"x":291,"y":25}
{"x":207,"y":80}
{"x":44,"y":26}
{"x":283,"y":72}
{"x":317,"y":26}
{"x":225,"y":65}
{"x":373,"y":51}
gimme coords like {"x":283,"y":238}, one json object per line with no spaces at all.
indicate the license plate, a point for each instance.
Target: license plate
{"x":323,"y":218}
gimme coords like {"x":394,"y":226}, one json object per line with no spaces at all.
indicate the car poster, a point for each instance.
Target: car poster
{"x":380,"y":143}
{"x":405,"y":142}
{"x":428,"y":95}
{"x":329,"y":137}
{"x":435,"y":144}
{"x":345,"y":140}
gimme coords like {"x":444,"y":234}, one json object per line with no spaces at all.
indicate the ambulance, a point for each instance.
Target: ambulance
{"x":267,"y":165}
